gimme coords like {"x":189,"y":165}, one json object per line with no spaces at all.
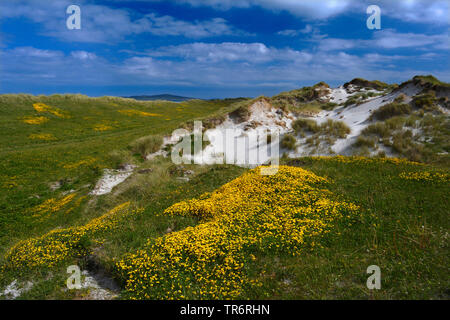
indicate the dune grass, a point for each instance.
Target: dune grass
{"x":391,"y":110}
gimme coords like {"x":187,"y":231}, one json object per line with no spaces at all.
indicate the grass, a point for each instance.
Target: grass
{"x":391,"y":110}
{"x":375,"y":84}
{"x":320,"y":137}
{"x":300,"y":99}
{"x":401,"y":225}
{"x":288,"y":142}
{"x":359,"y":98}
{"x":301,"y":126}
{"x":146,"y":145}
{"x":79,"y":153}
{"x":401,"y":228}
{"x":425,"y":101}
{"x":431,"y":80}
{"x":429,"y":143}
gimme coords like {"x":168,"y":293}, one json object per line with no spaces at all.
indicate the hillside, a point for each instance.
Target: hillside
{"x":163,"y":97}
{"x":364,"y":179}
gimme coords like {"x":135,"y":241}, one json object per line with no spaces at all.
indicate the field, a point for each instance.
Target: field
{"x":70,"y":146}
{"x":228,"y":232}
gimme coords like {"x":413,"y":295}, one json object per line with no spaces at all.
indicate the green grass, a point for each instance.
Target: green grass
{"x":402,"y":228}
{"x":288,"y":142}
{"x":301,"y":126}
{"x":28,"y":166}
{"x":430,"y":144}
{"x":425,"y":101}
{"x":304,"y":99}
{"x":391,"y":110}
{"x":431,"y":80}
{"x":146,"y":145}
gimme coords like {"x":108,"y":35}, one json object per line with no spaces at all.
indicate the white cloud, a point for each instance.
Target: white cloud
{"x":255,"y":53}
{"x":420,"y":11}
{"x":27,"y":52}
{"x":247,"y":64}
{"x":293,"y":33}
{"x":104,"y":24}
{"x":311,"y":9}
{"x":390,"y":39}
{"x":83,"y":55}
{"x":387,"y":39}
{"x":200,"y":65}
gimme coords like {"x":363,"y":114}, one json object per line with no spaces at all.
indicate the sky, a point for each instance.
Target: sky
{"x":216,"y":48}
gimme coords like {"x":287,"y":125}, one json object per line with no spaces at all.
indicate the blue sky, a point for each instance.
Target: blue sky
{"x":216,"y":48}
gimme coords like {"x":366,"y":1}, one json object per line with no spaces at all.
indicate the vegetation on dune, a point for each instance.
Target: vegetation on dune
{"x":390,"y":110}
{"x":334,"y":129}
{"x":301,"y":126}
{"x":306,"y":99}
{"x":359,"y":98}
{"x":375,"y":84}
{"x":416,"y":137}
{"x":320,"y":137}
{"x":429,"y":79}
{"x":288,"y":142}
{"x":425,"y":101}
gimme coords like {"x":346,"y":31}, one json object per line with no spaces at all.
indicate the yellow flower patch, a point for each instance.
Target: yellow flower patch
{"x":102,"y":127}
{"x":366,"y":160}
{"x":9,"y":182}
{"x":133,"y":112}
{"x":52,"y":205}
{"x":283,"y":213}
{"x":34,"y":120}
{"x":60,"y":244}
{"x":84,"y":162}
{"x":438,"y":177}
{"x":42,"y":136}
{"x":41,"y":107}
{"x":76,"y":204}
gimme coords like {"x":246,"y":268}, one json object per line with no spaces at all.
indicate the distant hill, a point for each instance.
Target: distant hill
{"x":167,"y":97}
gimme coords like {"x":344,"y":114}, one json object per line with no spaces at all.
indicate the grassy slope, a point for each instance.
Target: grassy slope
{"x":403,"y":228}
{"x":27,"y":166}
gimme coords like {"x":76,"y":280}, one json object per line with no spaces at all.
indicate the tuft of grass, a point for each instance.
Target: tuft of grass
{"x":336,"y":129}
{"x":308,"y":125}
{"x":429,"y":79}
{"x":298,"y":99}
{"x":426,"y":101}
{"x":289,"y":142}
{"x":390,"y":110}
{"x":369,"y":142}
{"x":146,"y":145}
{"x":118,"y":158}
